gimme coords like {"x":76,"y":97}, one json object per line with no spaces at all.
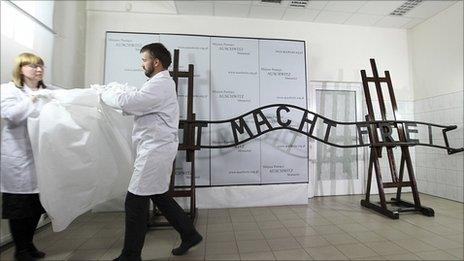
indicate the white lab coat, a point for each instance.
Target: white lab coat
{"x":154,"y":137}
{"x":17,"y":162}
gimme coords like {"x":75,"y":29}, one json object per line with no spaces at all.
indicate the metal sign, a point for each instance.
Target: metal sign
{"x":255,"y":123}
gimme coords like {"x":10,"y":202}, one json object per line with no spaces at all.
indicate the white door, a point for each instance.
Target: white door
{"x":338,"y":171}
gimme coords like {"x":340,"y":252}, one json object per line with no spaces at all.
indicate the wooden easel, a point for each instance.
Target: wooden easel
{"x":376,"y":154}
{"x":188,"y":145}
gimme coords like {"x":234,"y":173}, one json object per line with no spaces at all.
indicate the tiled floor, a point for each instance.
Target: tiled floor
{"x":328,"y":228}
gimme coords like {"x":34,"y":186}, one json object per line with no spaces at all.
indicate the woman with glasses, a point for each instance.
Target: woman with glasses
{"x":20,"y":193}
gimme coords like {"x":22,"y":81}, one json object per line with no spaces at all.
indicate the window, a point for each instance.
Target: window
{"x":20,"y":18}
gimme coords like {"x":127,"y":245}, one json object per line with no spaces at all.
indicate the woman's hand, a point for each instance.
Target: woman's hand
{"x":34,"y":98}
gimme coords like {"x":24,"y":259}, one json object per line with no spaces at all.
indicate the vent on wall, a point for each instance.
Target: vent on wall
{"x":406,"y":7}
{"x":299,"y":3}
{"x":271,"y":1}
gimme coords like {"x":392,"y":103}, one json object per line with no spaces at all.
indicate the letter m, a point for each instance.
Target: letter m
{"x":240,"y":127}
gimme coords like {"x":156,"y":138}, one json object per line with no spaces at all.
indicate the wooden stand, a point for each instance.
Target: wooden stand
{"x":188,"y":145}
{"x":376,"y":154}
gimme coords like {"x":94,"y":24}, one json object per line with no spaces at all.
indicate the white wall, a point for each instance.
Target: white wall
{"x":436,"y":48}
{"x":69,"y":52}
{"x":335,"y":52}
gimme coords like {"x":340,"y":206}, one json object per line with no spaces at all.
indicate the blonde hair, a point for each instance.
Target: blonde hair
{"x":22,"y":60}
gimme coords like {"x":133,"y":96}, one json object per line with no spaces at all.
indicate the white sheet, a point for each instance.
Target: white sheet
{"x":82,"y":151}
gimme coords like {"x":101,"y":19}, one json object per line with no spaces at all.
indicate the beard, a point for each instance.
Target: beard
{"x":149,"y":71}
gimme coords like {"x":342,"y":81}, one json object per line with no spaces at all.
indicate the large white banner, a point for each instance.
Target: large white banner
{"x":122,"y":58}
{"x":232,"y":76}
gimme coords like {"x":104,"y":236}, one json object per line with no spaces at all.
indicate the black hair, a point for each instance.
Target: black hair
{"x":157,"y":50}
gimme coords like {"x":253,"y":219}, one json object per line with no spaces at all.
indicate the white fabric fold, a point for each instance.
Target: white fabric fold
{"x":82,"y":151}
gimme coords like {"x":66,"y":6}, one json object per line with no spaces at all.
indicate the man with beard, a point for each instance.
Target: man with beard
{"x":154,"y":137}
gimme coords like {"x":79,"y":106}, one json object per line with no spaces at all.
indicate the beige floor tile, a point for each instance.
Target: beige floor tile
{"x":248,"y":235}
{"x":340,"y":238}
{"x":221,"y":248}
{"x":386,"y":248}
{"x":105,"y":232}
{"x":287,"y":216}
{"x":235,"y":256}
{"x":257,"y":256}
{"x":317,"y":221}
{"x":414,"y":245}
{"x":294,"y":223}
{"x":376,"y":225}
{"x":243,"y":219}
{"x":292,"y":254}
{"x":66,"y":244}
{"x":249,"y":246}
{"x":440,"y":229}
{"x":216,"y":228}
{"x":57,"y":254}
{"x":87,"y":233}
{"x":275,"y":233}
{"x":97,"y":243}
{"x":440,"y":237}
{"x":312,"y":241}
{"x":369,"y":258}
{"x":219,"y":220}
{"x":220,"y":236}
{"x":408,"y":256}
{"x":437,"y":255}
{"x":341,"y":220}
{"x":111,"y":253}
{"x":165,"y":234}
{"x":352,"y":227}
{"x":327,"y":229}
{"x":302,"y":231}
{"x":367,"y":236}
{"x":87,"y":254}
{"x":392,"y":235}
{"x":270,"y":224}
{"x":356,"y":250}
{"x":161,"y":248}
{"x":265,"y":217}
{"x":245,"y":226}
{"x":441,"y":242}
{"x":283,"y":243}
{"x":457,"y":252}
{"x":459,"y":238}
{"x":326,"y":253}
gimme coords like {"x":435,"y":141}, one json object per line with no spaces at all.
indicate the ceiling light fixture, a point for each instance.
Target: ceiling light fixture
{"x":406,"y":7}
{"x":299,"y":3}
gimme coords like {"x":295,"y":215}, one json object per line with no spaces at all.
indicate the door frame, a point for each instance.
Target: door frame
{"x":342,"y":187}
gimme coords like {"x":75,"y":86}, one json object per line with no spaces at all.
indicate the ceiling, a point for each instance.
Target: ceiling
{"x":363,"y":13}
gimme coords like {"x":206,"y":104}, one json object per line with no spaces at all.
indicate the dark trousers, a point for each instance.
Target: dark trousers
{"x":137,"y":208}
{"x":22,"y":231}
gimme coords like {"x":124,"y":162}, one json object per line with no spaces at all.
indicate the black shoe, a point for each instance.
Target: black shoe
{"x":186,"y":245}
{"x":24,"y":256}
{"x":36,"y":253}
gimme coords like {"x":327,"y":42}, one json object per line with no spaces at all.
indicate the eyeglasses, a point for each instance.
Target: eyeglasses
{"x":35,"y":66}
